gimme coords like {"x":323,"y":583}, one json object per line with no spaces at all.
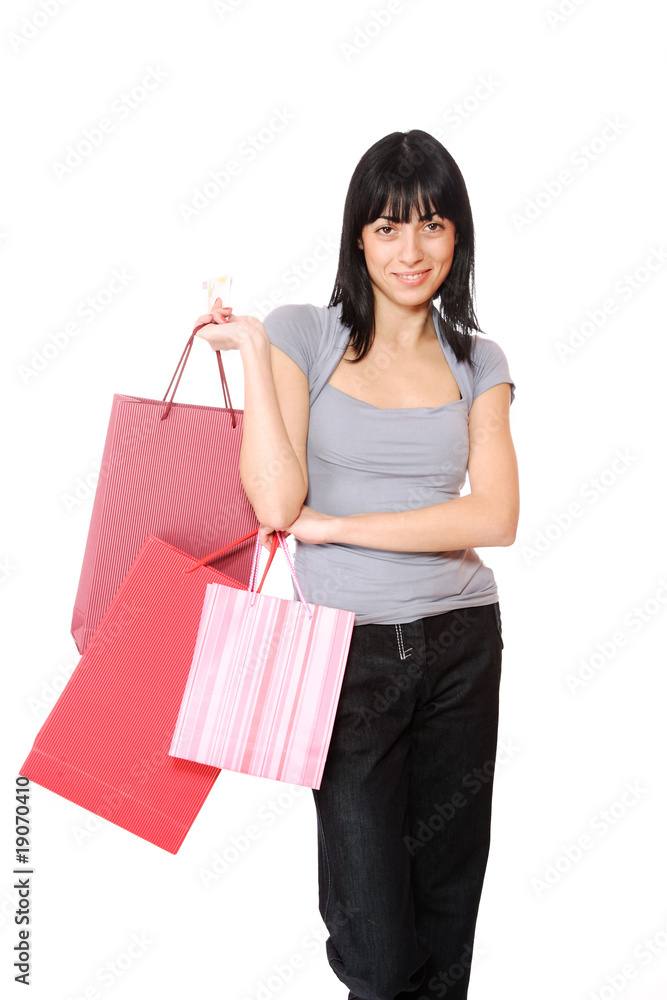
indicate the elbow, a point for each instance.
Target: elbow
{"x":499,"y":518}
{"x":273,"y":511}
{"x":508,"y":534}
{"x":278,"y":518}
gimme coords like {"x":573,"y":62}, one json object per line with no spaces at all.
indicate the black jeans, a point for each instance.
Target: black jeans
{"x":404,"y":807}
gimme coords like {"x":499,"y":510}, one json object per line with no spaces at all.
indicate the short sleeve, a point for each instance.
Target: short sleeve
{"x":297,"y":330}
{"x":490,"y":367}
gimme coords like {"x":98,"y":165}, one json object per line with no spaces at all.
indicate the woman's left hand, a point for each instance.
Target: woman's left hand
{"x":312,"y":526}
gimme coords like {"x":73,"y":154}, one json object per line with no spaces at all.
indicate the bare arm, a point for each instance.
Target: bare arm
{"x":275,"y":424}
{"x":272,"y":462}
{"x":488,"y":515}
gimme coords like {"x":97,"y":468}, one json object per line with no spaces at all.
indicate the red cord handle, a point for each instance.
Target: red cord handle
{"x":212,"y":555}
{"x":181,"y":364}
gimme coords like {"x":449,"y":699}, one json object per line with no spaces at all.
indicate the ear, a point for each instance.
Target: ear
{"x":360,"y":243}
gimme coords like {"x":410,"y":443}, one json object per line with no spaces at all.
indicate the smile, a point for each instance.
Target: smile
{"x":412,"y":279}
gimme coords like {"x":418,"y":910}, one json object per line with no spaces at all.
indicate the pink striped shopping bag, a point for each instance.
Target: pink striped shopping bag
{"x":264,"y":684}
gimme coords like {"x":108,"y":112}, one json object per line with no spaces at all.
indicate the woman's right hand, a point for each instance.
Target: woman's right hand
{"x":266,"y":536}
{"x":225,"y":332}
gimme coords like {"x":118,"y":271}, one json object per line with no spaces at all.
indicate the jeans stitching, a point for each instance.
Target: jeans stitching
{"x":401,"y":648}
{"x":496,"y":612}
{"x":327,"y":865}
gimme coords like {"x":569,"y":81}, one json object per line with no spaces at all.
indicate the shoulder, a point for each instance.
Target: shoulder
{"x":295,"y":312}
{"x":484,"y":349}
{"x":490,"y":365}
{"x":299,"y":319}
{"x":301,"y":330}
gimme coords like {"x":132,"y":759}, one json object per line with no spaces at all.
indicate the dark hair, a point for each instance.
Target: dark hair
{"x":402,"y":171}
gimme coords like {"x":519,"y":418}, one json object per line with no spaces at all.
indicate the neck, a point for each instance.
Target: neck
{"x":407,"y":326}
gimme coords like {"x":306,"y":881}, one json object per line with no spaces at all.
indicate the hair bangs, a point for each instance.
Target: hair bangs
{"x":402,"y":189}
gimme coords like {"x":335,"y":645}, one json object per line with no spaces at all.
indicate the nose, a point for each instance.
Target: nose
{"x":410,"y":250}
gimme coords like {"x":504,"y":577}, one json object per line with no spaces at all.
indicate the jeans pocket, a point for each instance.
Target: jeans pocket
{"x":499,"y":621}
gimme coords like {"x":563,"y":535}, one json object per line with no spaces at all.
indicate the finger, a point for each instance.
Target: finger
{"x":222,"y":315}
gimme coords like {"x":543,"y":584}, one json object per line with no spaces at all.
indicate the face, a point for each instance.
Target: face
{"x":394,"y":251}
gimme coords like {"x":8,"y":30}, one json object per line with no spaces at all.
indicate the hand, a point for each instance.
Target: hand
{"x":266,"y":536}
{"x":225,"y":332}
{"x":313,"y":526}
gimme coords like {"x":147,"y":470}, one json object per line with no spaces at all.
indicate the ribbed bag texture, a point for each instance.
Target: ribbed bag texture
{"x":105,"y":743}
{"x":264,"y":684}
{"x":171,"y":470}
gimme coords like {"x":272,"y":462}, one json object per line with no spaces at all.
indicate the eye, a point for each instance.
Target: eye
{"x":438,"y":224}
{"x":381,"y":228}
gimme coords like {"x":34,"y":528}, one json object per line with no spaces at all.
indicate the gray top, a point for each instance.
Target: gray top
{"x":362,"y":458}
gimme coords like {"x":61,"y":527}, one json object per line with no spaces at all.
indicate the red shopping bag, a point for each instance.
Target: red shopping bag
{"x":263,"y":689}
{"x":105,"y":742}
{"x":171,"y":470}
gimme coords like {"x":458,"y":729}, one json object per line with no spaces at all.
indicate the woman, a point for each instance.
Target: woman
{"x":372,"y":409}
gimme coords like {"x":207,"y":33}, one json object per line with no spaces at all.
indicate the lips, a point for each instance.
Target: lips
{"x":411,"y":277}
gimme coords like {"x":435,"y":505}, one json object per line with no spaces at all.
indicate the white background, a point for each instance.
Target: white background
{"x":536,"y":91}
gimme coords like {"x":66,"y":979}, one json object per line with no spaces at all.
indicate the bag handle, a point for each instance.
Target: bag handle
{"x":181,"y":364}
{"x":212,"y":555}
{"x":278,"y":536}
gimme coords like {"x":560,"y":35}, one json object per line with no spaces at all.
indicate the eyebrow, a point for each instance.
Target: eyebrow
{"x":422,"y":218}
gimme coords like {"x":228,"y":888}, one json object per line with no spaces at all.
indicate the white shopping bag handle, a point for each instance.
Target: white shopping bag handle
{"x":254,"y":571}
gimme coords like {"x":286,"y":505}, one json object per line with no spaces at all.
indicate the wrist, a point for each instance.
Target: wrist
{"x":336,"y":530}
{"x":256,"y":342}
